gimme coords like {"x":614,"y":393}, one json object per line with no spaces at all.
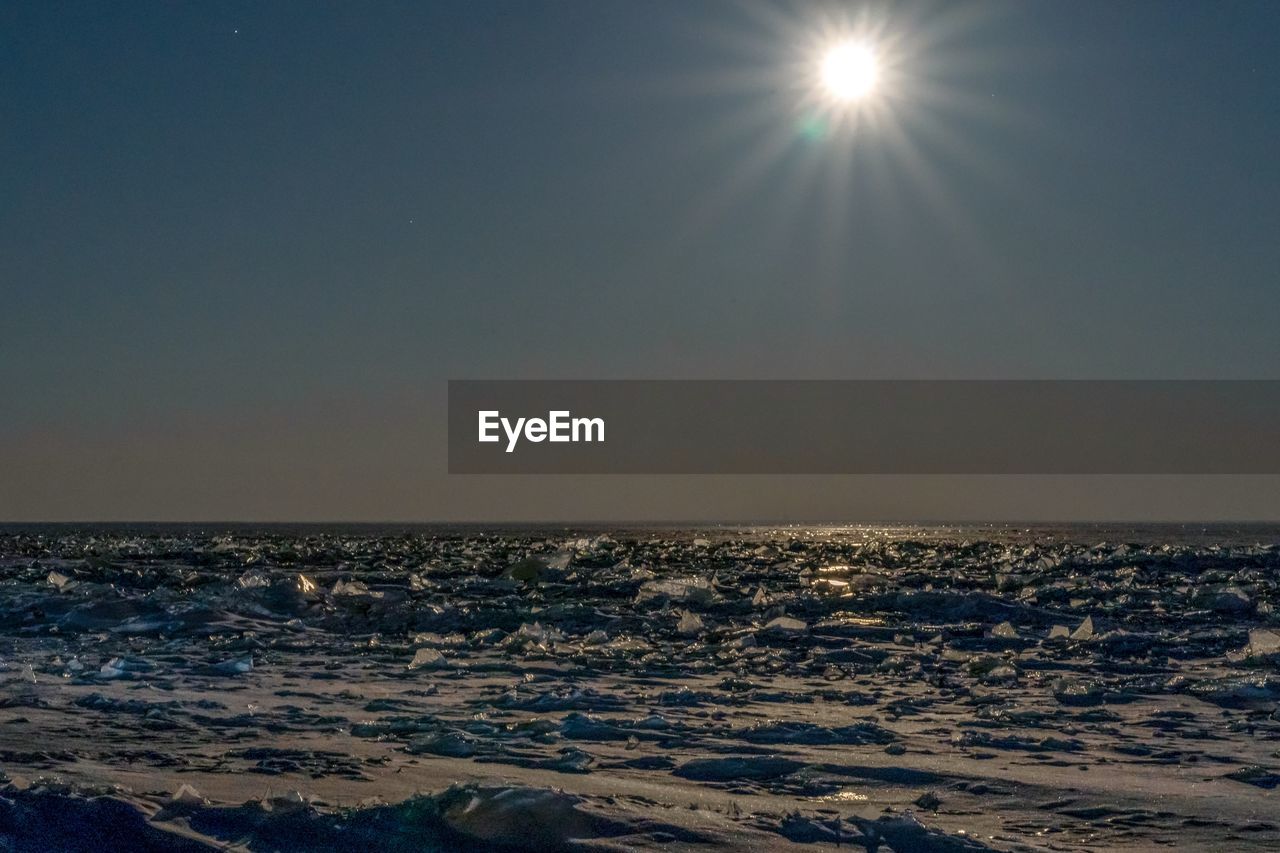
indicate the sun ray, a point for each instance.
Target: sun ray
{"x":840,"y":120}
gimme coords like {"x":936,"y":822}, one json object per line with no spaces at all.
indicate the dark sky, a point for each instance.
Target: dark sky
{"x":242,"y":246}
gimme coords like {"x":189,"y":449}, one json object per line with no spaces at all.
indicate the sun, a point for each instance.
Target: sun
{"x":850,"y":71}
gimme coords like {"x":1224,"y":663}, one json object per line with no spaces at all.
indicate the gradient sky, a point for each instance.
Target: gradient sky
{"x":243,"y":245}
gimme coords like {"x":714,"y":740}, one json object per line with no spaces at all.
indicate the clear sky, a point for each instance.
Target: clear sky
{"x":243,"y":245}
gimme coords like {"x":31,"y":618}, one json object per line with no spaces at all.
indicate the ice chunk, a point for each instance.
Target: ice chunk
{"x":1254,"y":691}
{"x":236,"y":666}
{"x":1223,"y":600}
{"x":253,"y":579}
{"x":428,"y":659}
{"x":59,"y":581}
{"x":570,"y":760}
{"x":928,"y":800}
{"x":112,"y":669}
{"x":123,"y":668}
{"x":449,"y":744}
{"x":350,"y":588}
{"x":1079,"y":692}
{"x":287,"y":803}
{"x":688,"y":591}
{"x":537,"y":634}
{"x":488,"y":637}
{"x":830,"y":586}
{"x":528,"y":570}
{"x":1255,"y":774}
{"x":690,"y":624}
{"x":1085,"y":631}
{"x":653,"y":721}
{"x":867,"y":581}
{"x":187,"y":796}
{"x":908,"y":833}
{"x":1263,"y":643}
{"x":786,"y":625}
{"x":1005,"y":631}
{"x":1001,"y":674}
{"x":519,"y":818}
{"x":597,"y":637}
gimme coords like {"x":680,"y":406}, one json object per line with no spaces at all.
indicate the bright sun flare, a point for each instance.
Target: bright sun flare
{"x":850,"y":71}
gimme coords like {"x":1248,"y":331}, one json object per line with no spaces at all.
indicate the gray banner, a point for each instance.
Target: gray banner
{"x":864,"y":427}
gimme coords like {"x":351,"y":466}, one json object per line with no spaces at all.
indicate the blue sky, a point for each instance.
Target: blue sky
{"x":224,"y":227}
